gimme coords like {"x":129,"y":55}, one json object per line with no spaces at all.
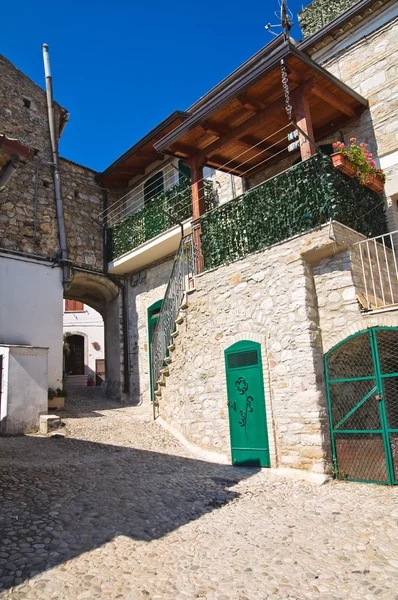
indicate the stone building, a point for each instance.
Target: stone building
{"x":231,"y":261}
{"x":296,"y":296}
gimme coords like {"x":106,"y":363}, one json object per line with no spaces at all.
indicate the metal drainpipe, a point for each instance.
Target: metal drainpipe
{"x":64,"y":260}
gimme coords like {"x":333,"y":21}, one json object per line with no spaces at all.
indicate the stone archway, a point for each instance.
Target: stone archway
{"x":105,"y":296}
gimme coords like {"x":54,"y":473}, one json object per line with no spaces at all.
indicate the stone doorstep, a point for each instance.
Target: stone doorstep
{"x":48,"y":423}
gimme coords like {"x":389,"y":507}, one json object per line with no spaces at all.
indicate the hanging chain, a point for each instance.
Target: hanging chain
{"x":285,"y":85}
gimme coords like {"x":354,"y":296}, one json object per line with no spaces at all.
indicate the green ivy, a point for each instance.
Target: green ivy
{"x":161,"y":213}
{"x":303,"y":197}
{"x":320,"y":12}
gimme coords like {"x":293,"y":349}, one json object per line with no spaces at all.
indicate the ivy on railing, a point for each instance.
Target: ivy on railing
{"x":162,"y":212}
{"x":305,"y":196}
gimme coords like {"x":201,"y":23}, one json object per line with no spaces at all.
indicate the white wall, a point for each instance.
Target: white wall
{"x":31,"y":308}
{"x":24,"y":388}
{"x":90,"y":324}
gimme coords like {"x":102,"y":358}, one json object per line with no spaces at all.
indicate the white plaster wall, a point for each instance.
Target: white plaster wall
{"x":24,"y":389}
{"x":31,"y":309}
{"x":89,"y":323}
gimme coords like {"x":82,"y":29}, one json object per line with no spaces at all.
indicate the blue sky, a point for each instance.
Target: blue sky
{"x":121,"y":67}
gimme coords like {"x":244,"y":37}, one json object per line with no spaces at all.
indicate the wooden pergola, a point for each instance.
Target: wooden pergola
{"x":250,"y":104}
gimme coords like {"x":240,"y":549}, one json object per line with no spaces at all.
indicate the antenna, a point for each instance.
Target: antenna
{"x":285,"y":16}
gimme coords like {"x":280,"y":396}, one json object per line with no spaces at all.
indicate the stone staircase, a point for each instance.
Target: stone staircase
{"x":165,"y":370}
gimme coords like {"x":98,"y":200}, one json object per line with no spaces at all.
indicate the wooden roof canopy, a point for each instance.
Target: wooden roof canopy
{"x":141,"y":155}
{"x":249,"y":106}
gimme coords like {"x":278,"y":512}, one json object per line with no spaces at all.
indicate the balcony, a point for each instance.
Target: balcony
{"x":166,"y":210}
{"x":303,"y":197}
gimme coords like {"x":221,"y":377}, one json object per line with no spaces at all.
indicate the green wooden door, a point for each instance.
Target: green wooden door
{"x":246,"y":405}
{"x":153,"y":317}
{"x":362,"y":387}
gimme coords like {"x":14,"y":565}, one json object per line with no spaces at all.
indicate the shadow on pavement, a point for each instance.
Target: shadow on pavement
{"x":62,"y":497}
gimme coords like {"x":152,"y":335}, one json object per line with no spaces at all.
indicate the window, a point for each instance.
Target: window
{"x":153,"y":186}
{"x":73,"y":306}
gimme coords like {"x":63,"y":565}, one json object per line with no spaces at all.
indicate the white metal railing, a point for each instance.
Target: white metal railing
{"x":375,"y":270}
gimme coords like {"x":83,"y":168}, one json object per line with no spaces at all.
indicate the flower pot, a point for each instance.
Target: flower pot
{"x":373,"y":183}
{"x":58,"y":402}
{"x":343,"y":164}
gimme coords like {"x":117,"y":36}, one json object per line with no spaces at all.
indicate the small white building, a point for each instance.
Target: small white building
{"x":84,"y":354}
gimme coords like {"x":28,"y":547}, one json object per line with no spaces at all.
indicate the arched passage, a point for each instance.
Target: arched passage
{"x":105,"y":296}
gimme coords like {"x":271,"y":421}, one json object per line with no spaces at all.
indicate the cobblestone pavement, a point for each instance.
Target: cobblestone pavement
{"x":119,"y":510}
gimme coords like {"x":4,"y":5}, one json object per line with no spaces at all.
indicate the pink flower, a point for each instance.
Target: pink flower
{"x":372,"y":162}
{"x":335,"y":145}
{"x":363,"y":145}
{"x":342,"y":145}
{"x":369,"y":155}
{"x":353,"y":139}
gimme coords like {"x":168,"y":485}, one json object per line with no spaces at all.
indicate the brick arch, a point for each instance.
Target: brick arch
{"x":262,"y":340}
{"x":366,"y":322}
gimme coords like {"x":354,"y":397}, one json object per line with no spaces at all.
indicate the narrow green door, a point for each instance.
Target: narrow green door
{"x":246,"y":405}
{"x":153,"y":317}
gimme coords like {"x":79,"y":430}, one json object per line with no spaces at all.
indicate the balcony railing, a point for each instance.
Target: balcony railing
{"x":305,"y":196}
{"x":375,"y":271}
{"x":163,"y":211}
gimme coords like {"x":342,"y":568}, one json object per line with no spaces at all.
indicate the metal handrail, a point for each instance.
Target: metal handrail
{"x":183,"y":271}
{"x":379,"y":270}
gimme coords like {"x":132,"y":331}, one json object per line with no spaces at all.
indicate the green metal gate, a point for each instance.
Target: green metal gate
{"x":362,"y":388}
{"x":246,"y":405}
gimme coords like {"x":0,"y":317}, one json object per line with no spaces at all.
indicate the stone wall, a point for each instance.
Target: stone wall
{"x":297,"y":299}
{"x":368,"y":63}
{"x":23,"y":116}
{"x":145,"y":288}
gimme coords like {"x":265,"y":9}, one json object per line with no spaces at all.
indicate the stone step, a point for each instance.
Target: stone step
{"x":168,"y":360}
{"x":174,"y":334}
{"x":165,"y":371}
{"x":72,"y":381}
{"x":49,"y":423}
{"x":171,"y":348}
{"x":161,"y":381}
{"x":179,"y":320}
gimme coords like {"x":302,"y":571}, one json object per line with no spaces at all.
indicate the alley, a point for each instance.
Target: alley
{"x":119,"y":510}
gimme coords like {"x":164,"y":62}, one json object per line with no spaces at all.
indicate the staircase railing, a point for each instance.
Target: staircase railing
{"x":180,"y":281}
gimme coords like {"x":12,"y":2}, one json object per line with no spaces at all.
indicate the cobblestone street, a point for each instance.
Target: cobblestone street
{"x":119,"y":510}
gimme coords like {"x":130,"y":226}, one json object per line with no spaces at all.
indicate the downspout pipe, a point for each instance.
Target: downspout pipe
{"x":64,"y":260}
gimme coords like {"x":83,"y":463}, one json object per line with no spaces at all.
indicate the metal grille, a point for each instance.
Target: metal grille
{"x":387,"y":343}
{"x":361,"y":456}
{"x":362,"y":388}
{"x":184,"y":268}
{"x":390,"y":394}
{"x":394,"y":453}
{"x":352,"y":359}
{"x":354,"y":405}
{"x":242,"y":359}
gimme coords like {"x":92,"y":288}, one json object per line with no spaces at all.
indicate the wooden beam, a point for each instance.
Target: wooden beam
{"x":220,"y":163}
{"x":198,"y":206}
{"x":239,"y":131}
{"x":216,"y":129}
{"x":252,"y":104}
{"x":13,"y":147}
{"x":303,"y":119}
{"x":333,"y":101}
{"x":182,"y":150}
{"x":151,"y":155}
{"x":323,"y":94}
